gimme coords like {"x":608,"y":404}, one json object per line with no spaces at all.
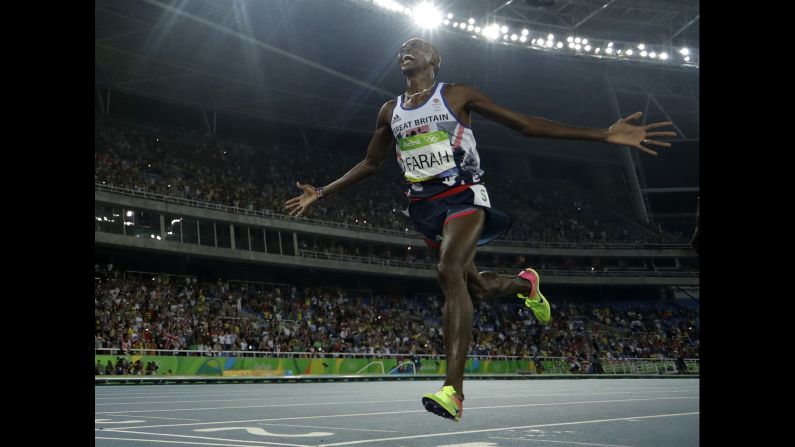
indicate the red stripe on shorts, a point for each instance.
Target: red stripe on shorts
{"x":432,"y":244}
{"x":459,"y":214}
{"x":450,"y":192}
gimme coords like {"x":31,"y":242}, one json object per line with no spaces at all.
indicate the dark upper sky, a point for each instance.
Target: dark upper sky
{"x":330,"y":65}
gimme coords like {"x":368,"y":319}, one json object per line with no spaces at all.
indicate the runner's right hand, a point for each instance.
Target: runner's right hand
{"x":297,"y":205}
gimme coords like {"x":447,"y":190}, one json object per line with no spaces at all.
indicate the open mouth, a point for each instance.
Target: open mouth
{"x":407,"y":58}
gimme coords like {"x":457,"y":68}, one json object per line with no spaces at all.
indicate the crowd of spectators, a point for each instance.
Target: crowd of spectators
{"x":150,"y":312}
{"x":316,"y":246}
{"x":188,"y":164}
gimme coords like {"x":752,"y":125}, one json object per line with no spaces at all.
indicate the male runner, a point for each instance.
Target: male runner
{"x":429,"y":128}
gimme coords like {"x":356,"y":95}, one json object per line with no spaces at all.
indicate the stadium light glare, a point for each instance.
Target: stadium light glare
{"x":426,"y":15}
{"x":492,"y":31}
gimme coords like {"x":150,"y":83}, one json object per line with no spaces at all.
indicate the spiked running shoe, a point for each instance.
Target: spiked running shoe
{"x":535,"y":300}
{"x":444,"y":403}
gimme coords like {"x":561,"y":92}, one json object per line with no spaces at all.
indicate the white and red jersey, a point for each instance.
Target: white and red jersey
{"x":435,"y":150}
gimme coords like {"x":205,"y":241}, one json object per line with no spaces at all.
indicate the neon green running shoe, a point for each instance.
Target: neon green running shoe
{"x":444,"y":403}
{"x":535,"y":300}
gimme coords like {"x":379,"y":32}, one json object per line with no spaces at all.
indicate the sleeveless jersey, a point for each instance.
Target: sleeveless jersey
{"x":434,"y":149}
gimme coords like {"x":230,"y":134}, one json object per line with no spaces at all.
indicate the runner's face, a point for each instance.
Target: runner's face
{"x":415,"y":55}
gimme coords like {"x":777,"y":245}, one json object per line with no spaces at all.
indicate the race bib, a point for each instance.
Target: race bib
{"x":481,"y":196}
{"x":426,"y":155}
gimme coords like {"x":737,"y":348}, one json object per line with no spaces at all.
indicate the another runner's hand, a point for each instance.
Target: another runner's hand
{"x":297,"y":205}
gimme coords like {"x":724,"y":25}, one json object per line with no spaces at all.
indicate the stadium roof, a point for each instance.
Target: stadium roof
{"x":331,"y":64}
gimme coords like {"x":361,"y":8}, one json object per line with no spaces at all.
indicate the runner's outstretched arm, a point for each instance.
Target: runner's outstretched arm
{"x":380,"y":144}
{"x":621,"y":132}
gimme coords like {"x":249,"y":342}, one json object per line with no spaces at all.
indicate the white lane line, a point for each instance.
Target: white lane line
{"x":161,"y":441}
{"x":331,"y":428}
{"x":491,"y":396}
{"x":456,"y":433}
{"x":301,"y":405}
{"x":108,"y":421}
{"x":259,"y":431}
{"x":158,"y":417}
{"x":294,"y":418}
{"x":285,"y":395}
{"x":315,"y":404}
{"x":192,"y":394}
{"x":562,"y":442}
{"x":566,"y":403}
{"x":249,"y":443}
{"x":168,"y":402}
